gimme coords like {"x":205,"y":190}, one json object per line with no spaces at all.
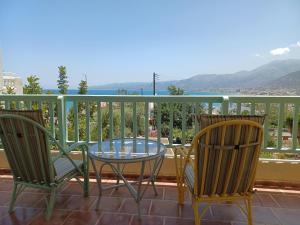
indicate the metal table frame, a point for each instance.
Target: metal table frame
{"x":117,"y":165}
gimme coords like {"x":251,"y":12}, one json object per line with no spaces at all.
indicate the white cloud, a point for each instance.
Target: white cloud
{"x":259,"y":55}
{"x":296,"y":45}
{"x":280,"y":51}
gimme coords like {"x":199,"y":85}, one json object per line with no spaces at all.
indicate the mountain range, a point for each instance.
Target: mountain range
{"x":276,"y":74}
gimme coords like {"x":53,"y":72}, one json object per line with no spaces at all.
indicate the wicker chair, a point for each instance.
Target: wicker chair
{"x":26,"y":145}
{"x":221,"y":163}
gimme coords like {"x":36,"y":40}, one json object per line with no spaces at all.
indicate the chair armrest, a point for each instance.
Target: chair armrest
{"x":65,"y":151}
{"x":84,"y":147}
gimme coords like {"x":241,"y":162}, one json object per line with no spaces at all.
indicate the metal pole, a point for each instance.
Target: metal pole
{"x":154,"y":75}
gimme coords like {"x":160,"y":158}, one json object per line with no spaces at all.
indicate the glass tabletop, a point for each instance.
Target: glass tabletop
{"x":127,"y":149}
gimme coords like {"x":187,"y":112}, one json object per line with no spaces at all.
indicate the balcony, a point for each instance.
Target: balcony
{"x":73,"y":118}
{"x":270,"y":206}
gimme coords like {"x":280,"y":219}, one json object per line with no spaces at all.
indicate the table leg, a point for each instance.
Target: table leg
{"x":98,"y":176}
{"x":154,"y":172}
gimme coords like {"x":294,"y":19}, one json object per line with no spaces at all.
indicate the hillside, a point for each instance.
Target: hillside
{"x":258,"y":77}
{"x":289,"y":81}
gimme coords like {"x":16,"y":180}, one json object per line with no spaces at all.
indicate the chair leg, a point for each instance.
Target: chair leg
{"x":13,"y":198}
{"x":195,"y":205}
{"x":249,"y":209}
{"x":180,"y":196}
{"x":86,"y":182}
{"x":51,"y":203}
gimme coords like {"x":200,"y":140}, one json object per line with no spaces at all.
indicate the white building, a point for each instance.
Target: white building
{"x":8,"y":79}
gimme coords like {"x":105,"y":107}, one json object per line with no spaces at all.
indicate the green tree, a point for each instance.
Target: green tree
{"x":62,"y":82}
{"x":10,"y":90}
{"x":83,"y":87}
{"x":33,"y":86}
{"x":173,"y":90}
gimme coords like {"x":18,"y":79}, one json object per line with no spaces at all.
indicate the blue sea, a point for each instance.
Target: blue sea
{"x":130,"y":92}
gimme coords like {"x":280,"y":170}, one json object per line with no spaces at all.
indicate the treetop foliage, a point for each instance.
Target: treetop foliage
{"x":62,"y":82}
{"x":33,"y":86}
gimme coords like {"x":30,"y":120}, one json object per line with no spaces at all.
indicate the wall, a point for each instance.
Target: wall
{"x":267,"y":171}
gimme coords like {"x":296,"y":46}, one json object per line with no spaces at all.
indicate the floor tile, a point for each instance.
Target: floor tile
{"x":83,"y":218}
{"x":58,"y":218}
{"x":80,"y":203}
{"x":228,"y":212}
{"x":147,"y":220}
{"x":107,"y":204}
{"x":131,"y":207}
{"x":266,"y":200}
{"x":171,"y":193}
{"x":179,"y":221}
{"x":285,"y":201}
{"x":114,"y":219}
{"x":31,"y":200}
{"x":264,"y":215}
{"x":183,"y":221}
{"x":172,"y":209}
{"x":21,"y":216}
{"x":246,"y":223}
{"x":3,"y":211}
{"x":288,"y":216}
{"x":4,"y":198}
{"x":121,"y":192}
{"x":150,"y":194}
{"x":72,"y":188}
{"x":6,"y":186}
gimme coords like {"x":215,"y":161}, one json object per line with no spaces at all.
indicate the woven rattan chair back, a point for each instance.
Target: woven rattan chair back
{"x":25,"y":145}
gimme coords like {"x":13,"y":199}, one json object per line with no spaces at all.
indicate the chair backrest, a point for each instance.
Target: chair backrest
{"x":226,"y":154}
{"x":26,"y":145}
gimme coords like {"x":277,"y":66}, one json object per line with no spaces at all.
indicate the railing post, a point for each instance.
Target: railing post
{"x":225,"y":105}
{"x":61,"y":120}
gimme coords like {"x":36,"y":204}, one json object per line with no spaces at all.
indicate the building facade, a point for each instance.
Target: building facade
{"x":9,"y":79}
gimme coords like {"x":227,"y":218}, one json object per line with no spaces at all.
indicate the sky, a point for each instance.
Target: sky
{"x":126,"y":41}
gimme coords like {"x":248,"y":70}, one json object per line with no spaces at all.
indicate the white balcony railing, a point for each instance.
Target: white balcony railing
{"x":92,"y":118}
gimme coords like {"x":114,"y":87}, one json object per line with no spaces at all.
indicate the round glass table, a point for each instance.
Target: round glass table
{"x":117,"y":153}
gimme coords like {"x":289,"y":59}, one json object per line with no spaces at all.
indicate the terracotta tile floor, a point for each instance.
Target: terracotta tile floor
{"x":116,"y":207}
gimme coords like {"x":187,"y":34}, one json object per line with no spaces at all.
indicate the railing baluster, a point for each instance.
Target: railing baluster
{"x":40,"y":105}
{"x":76,"y":122}
{"x":210,"y":108}
{"x":225,"y":105}
{"x":122,"y":121}
{"x":252,"y":108}
{"x":280,"y":125}
{"x":266,"y":126}
{"x":61,"y":120}
{"x":52,"y":122}
{"x":171,"y":116}
{"x":111,"y":121}
{"x":18,"y":105}
{"x":7,"y":104}
{"x":184,"y":115}
{"x":146,"y":125}
{"x":87,"y":121}
{"x":99,"y":125}
{"x":295,"y":126}
{"x":158,"y":124}
{"x":238,"y":108}
{"x":197,"y":112}
{"x":134,"y":119}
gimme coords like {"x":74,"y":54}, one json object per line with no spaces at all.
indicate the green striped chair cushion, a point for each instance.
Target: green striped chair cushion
{"x":214,"y":153}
